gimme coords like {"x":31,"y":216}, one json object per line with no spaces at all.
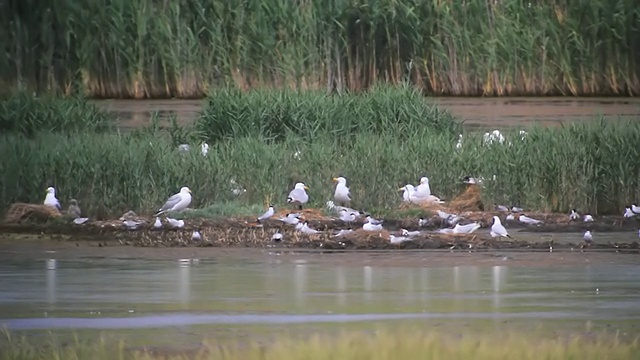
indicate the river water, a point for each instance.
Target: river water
{"x":477,"y":113}
{"x":173,"y":296}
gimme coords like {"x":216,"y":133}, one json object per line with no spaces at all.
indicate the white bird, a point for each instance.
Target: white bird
{"x":132,"y":224}
{"x":466,"y":229}
{"x":450,"y":219}
{"x":423,"y":190}
{"x":307,"y":230}
{"x":410,"y":195}
{"x":573,"y":215}
{"x":527,"y":220}
{"x":497,"y":229}
{"x":502,"y":208}
{"x":368,"y":226}
{"x":267,"y":214}
{"x":445,"y":231}
{"x":157,"y":224}
{"x":347,"y":216}
{"x":628,"y":213}
{"x":343,"y":232}
{"x":407,"y":191}
{"x":176,"y":224}
{"x":80,"y":220}
{"x":423,"y":222}
{"x":298,"y":195}
{"x":410,"y":234}
{"x":277,"y":237}
{"x":299,"y":226}
{"x":471,"y":180}
{"x":397,"y":239}
{"x":204,"y":149}
{"x":459,"y":144}
{"x":176,"y":202}
{"x":291,"y":219}
{"x":195,"y":235}
{"x":342,"y":193}
{"x":587,"y":237}
{"x":635,"y":209}
{"x":516,"y":209}
{"x":523,"y":133}
{"x":374,"y":221}
{"x":588,"y":218}
{"x":51,"y":200}
{"x":510,"y":217}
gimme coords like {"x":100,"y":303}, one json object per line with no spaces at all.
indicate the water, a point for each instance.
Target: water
{"x":215,"y":289}
{"x":478,"y":113}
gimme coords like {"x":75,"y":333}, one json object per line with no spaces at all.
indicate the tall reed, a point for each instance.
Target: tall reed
{"x":590,"y":166}
{"x":145,"y":48}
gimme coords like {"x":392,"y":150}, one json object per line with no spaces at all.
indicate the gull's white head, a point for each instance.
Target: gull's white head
{"x":496,"y":220}
{"x":185,"y":190}
{"x":424,"y":180}
{"x":51,"y":190}
{"x":301,"y":186}
{"x":340,"y":180}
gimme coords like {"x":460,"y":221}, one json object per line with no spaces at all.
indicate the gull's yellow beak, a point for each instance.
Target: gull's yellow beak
{"x":335,"y":179}
{"x":401,"y":189}
{"x":189,"y":191}
{"x":306,"y":188}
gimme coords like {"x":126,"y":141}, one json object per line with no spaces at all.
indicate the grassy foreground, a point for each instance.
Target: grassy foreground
{"x":269,"y":142}
{"x":147,"y":48}
{"x":383,"y":345}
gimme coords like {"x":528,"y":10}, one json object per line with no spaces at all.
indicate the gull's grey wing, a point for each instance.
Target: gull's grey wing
{"x":171,"y":202}
{"x":298,"y":195}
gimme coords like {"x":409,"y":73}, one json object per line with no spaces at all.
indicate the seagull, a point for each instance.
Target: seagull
{"x":307,"y":230}
{"x":471,"y":180}
{"x":157,"y":224}
{"x":298,"y":195}
{"x":408,"y":190}
{"x":516,"y":209}
{"x":74,"y":209}
{"x":195,"y":235}
{"x":410,"y":234}
{"x":51,"y":200}
{"x":466,"y":229}
{"x":588,"y":218}
{"x":527,"y":220}
{"x":267,"y":214}
{"x":277,"y":237}
{"x":176,"y":224}
{"x":342,"y":193}
{"x":411,"y":195}
{"x":347,"y":216}
{"x":176,"y":202}
{"x":510,"y":217}
{"x":573,"y":215}
{"x":628,"y":213}
{"x":343,"y":232}
{"x":423,"y":190}
{"x":635,"y":209}
{"x":587,"y":237}
{"x":132,"y":224}
{"x":445,"y":231}
{"x":397,"y":239}
{"x":374,"y":221}
{"x":497,"y":229}
{"x":291,"y":219}
{"x":502,"y":208}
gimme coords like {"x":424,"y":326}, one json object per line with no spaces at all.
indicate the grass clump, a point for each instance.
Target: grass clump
{"x":348,"y":345}
{"x":28,"y":114}
{"x":275,"y":115}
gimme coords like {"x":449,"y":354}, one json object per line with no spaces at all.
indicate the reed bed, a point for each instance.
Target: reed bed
{"x":382,"y":344}
{"x":589,"y":166}
{"x":151,"y":49}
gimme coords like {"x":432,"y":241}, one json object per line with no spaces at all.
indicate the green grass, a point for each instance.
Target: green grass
{"x":146,"y":48}
{"x":353,"y":345}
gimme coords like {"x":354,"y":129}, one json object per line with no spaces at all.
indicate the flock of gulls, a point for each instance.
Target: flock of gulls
{"x":298,"y":197}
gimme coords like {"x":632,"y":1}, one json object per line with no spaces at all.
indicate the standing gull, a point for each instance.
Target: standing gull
{"x":298,"y":195}
{"x":497,"y":229}
{"x":51,"y":200}
{"x":176,"y":202}
{"x":342,"y":193}
{"x":423,"y":190}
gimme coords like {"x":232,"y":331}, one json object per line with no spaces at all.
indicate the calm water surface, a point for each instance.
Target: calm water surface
{"x":197,"y":295}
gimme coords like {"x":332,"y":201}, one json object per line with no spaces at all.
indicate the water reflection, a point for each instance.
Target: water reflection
{"x":308,"y":286}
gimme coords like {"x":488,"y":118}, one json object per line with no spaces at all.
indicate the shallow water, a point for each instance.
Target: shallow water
{"x":216,"y":290}
{"x":478,"y":113}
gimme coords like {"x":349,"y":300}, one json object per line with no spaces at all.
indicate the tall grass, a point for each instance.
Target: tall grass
{"x":383,"y":345}
{"x":590,"y":166}
{"x":146,"y":48}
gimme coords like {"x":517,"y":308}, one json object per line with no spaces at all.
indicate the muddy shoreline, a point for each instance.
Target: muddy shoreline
{"x":246,"y":233}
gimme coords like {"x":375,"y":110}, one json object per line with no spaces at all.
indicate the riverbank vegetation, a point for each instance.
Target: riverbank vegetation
{"x":271,"y":140}
{"x":381,"y":345}
{"x":150,"y":49}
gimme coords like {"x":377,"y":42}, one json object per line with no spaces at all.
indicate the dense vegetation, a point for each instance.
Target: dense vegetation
{"x":590,"y":166}
{"x":147,"y":48}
